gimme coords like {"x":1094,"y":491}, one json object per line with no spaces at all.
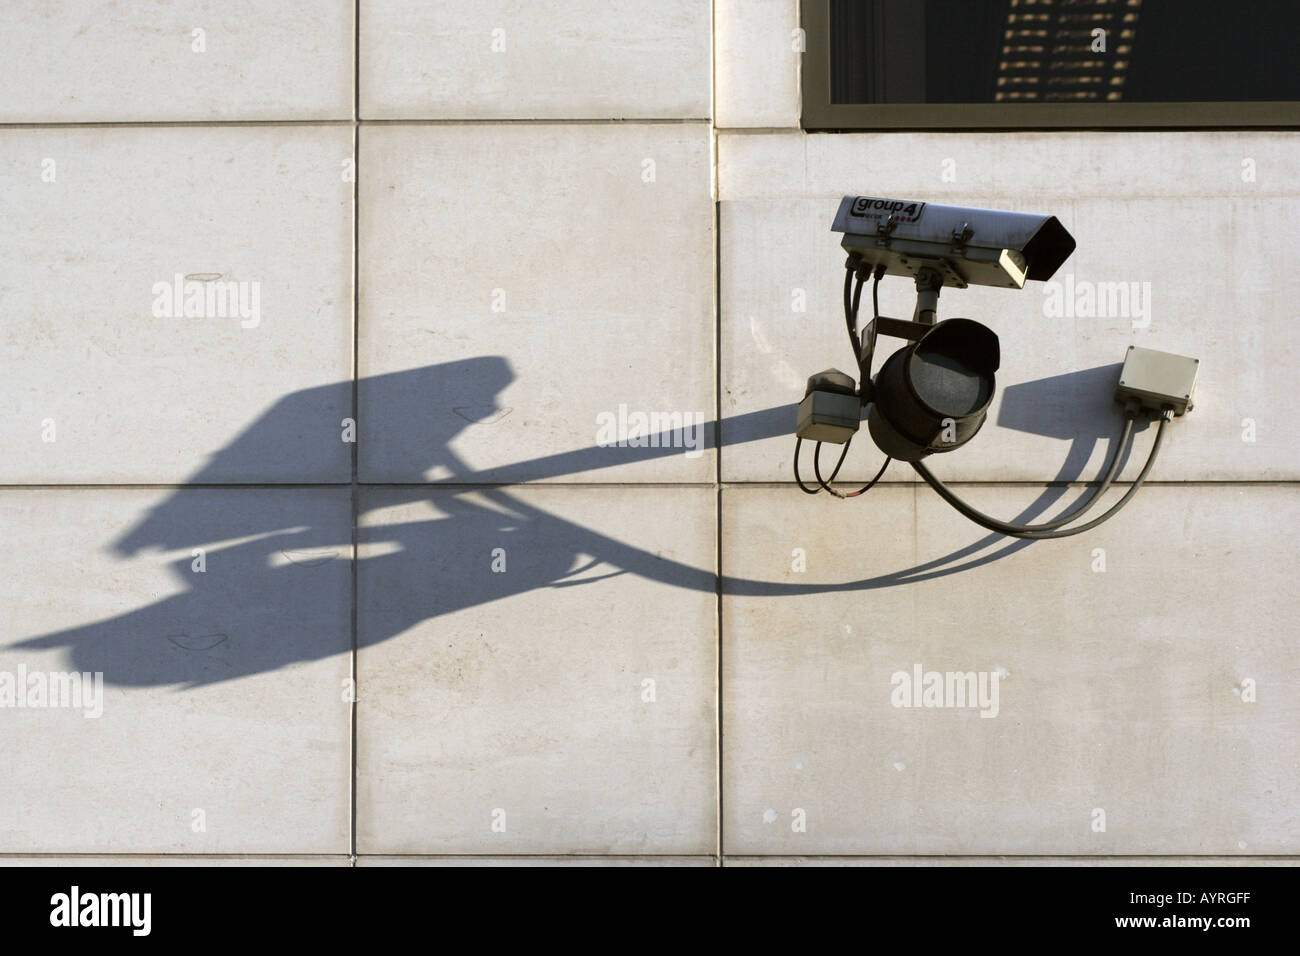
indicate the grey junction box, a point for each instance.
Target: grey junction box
{"x":830,"y":410}
{"x":1158,"y":379}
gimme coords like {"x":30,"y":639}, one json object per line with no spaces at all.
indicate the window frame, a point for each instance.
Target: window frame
{"x":819,"y":114}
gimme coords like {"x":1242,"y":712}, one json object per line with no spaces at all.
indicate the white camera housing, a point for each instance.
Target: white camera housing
{"x":964,"y":246}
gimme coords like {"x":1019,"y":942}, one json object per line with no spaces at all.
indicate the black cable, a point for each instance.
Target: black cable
{"x":850,"y":313}
{"x":870,"y":484}
{"x":1108,"y":477}
{"x":798,"y":442}
{"x":857,"y":354}
{"x":817,"y":466}
{"x":868,"y":349}
{"x":1128,"y":495}
{"x":852,"y":303}
{"x":826,"y":483}
{"x":851,"y":299}
{"x":875,"y":291}
{"x":1042,"y":531}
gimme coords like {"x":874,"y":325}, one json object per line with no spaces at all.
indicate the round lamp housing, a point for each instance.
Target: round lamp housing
{"x":934,"y":395}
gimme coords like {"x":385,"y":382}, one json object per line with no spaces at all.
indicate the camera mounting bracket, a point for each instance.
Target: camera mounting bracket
{"x":929,"y":281}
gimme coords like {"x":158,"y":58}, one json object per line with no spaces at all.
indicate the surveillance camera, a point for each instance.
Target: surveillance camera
{"x":964,"y":246}
{"x":933,"y":395}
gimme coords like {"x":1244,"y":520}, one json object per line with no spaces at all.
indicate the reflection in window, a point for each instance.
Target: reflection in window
{"x":1064,"y":51}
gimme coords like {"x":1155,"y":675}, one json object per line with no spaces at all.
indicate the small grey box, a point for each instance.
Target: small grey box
{"x":828,"y":417}
{"x":1158,"y":379}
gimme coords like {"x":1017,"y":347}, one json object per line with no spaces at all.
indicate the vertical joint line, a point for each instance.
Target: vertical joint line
{"x":355,"y":504}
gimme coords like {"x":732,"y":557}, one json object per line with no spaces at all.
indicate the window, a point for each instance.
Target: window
{"x":954,"y":64}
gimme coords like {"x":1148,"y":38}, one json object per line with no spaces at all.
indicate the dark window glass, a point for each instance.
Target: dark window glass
{"x":1042,"y":51}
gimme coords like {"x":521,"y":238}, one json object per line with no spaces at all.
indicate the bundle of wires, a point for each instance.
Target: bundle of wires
{"x":852,"y":297}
